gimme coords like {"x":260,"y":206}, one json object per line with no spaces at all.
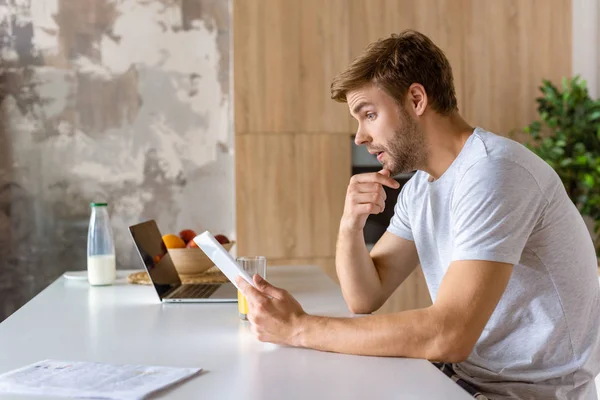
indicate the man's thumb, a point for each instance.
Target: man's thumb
{"x":266,"y":288}
{"x":385,"y":172}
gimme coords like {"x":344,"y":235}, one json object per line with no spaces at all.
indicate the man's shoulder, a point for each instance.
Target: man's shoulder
{"x":494,"y":156}
{"x":499,"y":149}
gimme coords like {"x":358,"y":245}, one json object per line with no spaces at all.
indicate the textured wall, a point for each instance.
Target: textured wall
{"x":122,"y":101}
{"x":586,"y":34}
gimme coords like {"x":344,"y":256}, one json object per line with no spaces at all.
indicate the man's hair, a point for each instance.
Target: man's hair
{"x":397,"y":62}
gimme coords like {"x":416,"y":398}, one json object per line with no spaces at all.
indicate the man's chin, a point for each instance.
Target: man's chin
{"x":396,"y":168}
{"x":389,"y":168}
{"x":393,"y":171}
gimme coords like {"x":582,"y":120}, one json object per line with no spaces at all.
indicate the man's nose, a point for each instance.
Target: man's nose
{"x":361,"y":137}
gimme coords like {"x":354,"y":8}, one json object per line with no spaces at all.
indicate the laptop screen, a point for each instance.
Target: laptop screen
{"x":155,"y":257}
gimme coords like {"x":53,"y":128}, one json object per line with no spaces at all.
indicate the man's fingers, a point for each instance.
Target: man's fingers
{"x":378,"y":178}
{"x":241,"y":284}
{"x":247,"y":289}
{"x":267,"y":288}
{"x":368,"y":198}
{"x":371,"y":188}
{"x":368,"y":208}
{"x":368,"y":187}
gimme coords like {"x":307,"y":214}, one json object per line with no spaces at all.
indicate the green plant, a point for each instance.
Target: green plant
{"x":567,"y":137}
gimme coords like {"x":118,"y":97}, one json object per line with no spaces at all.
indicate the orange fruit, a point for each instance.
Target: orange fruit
{"x":173,"y":242}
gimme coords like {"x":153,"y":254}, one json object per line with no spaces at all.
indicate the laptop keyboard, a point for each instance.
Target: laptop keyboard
{"x":194,"y":291}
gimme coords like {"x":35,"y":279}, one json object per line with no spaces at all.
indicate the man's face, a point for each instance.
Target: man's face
{"x":386,"y":129}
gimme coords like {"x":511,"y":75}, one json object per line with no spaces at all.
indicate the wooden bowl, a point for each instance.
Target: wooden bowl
{"x":193,"y":261}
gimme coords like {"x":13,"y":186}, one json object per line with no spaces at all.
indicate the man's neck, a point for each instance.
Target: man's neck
{"x":446,"y":137}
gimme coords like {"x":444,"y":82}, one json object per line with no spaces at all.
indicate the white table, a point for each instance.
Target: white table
{"x":126,"y":324}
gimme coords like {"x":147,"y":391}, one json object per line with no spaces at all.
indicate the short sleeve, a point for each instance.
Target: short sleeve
{"x":400,"y":223}
{"x":494,"y":209}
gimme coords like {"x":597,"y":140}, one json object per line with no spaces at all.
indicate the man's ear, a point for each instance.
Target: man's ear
{"x":417,"y":98}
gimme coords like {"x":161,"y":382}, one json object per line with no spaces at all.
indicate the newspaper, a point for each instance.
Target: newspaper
{"x":87,"y":379}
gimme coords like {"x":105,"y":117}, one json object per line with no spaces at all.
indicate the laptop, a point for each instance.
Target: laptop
{"x":164,"y":276}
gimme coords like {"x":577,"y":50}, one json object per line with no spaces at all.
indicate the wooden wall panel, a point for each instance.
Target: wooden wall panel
{"x":290,"y":193}
{"x":286,"y":54}
{"x":324,"y":52}
{"x":510,"y":46}
{"x":266,"y":64}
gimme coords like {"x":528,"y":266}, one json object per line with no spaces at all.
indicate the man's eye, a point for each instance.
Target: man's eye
{"x":370,"y":116}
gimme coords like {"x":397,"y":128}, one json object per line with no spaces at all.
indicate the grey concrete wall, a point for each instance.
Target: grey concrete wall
{"x":122,"y":101}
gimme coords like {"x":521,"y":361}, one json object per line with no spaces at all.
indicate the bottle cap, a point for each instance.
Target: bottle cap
{"x":98,"y":204}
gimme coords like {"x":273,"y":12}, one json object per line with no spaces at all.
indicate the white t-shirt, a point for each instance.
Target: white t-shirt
{"x":498,"y":201}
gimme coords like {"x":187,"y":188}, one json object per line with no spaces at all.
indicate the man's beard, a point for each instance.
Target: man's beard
{"x":407,"y":151}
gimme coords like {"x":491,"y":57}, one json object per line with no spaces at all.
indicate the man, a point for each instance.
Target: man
{"x":508,"y":260}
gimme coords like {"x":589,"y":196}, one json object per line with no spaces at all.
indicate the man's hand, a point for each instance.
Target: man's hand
{"x":275,"y":315}
{"x":365,"y":196}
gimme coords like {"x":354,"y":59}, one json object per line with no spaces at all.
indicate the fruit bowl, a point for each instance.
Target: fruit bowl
{"x":193,"y":261}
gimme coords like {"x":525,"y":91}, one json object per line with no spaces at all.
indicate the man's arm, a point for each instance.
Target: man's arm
{"x":446,"y":331}
{"x":367,"y":280}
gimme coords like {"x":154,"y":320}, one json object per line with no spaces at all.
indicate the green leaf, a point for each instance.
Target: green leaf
{"x":565,"y":162}
{"x":594,"y":116}
{"x":566,"y":135}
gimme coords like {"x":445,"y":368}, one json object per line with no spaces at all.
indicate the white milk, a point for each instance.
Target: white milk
{"x":102,"y":269}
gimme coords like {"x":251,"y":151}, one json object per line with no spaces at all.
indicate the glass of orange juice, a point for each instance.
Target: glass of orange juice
{"x":252,"y":265}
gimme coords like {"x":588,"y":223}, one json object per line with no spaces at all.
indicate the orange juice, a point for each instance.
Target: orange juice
{"x":252,"y":265}
{"x":242,"y":306}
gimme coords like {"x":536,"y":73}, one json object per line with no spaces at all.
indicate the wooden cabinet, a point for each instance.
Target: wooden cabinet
{"x":285,"y":55}
{"x":510,"y":46}
{"x":290,"y":193}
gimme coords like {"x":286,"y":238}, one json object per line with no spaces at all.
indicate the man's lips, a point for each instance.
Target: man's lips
{"x":378,"y":153}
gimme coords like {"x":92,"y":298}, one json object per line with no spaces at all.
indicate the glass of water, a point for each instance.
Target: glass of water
{"x":252,"y":265}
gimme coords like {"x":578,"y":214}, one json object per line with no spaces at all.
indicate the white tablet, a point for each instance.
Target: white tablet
{"x":221,"y":258}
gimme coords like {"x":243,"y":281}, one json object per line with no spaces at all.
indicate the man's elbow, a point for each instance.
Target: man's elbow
{"x":360,"y":309}
{"x":451,"y":347}
{"x":456,"y":355}
{"x":358,"y":306}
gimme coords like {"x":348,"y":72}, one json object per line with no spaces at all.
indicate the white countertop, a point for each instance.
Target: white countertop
{"x":126,"y":324}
